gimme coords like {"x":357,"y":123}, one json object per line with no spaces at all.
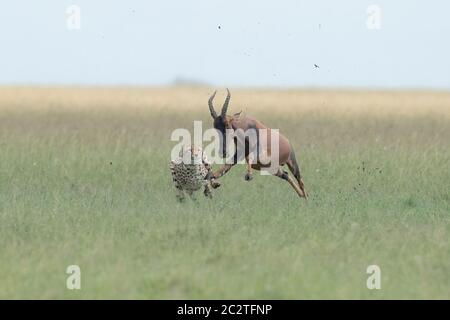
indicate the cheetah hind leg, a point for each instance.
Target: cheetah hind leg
{"x":192,"y":195}
{"x":180,"y":195}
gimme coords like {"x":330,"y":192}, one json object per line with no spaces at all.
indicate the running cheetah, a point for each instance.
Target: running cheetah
{"x":191,"y":171}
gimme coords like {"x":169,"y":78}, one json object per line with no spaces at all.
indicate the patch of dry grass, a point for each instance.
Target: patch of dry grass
{"x":179,"y":99}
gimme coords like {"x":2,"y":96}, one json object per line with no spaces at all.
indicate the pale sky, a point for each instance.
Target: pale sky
{"x":259,"y":43}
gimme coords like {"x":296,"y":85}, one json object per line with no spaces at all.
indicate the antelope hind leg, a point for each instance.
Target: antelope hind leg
{"x":285,"y":176}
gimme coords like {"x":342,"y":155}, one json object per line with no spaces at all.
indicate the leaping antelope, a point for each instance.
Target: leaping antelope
{"x":286,"y":154}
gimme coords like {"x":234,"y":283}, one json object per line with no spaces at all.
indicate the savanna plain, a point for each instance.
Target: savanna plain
{"x":84,"y":180}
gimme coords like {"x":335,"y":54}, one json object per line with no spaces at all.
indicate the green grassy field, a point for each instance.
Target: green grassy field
{"x":84,"y":180}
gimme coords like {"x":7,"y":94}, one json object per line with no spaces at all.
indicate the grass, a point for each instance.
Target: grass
{"x":84,"y":180}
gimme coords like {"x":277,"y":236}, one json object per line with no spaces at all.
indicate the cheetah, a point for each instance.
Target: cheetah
{"x":191,"y":171}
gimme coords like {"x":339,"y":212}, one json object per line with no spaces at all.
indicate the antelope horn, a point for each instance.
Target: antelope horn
{"x":211,"y":107}
{"x":225,"y":104}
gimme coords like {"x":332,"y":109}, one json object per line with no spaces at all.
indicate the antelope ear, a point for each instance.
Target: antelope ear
{"x":236,"y":115}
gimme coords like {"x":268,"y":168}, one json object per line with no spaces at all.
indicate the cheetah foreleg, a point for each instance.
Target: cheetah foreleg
{"x":210,"y":177}
{"x":208,"y":190}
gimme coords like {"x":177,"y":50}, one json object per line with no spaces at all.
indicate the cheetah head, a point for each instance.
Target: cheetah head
{"x":192,"y":155}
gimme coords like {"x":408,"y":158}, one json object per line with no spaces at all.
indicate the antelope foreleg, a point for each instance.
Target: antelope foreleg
{"x":219,"y":173}
{"x":249,"y":174}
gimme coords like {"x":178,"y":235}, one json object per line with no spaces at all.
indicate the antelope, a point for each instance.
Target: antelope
{"x":286,"y":154}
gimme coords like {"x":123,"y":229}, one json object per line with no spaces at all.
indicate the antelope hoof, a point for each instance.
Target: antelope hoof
{"x":248,"y":177}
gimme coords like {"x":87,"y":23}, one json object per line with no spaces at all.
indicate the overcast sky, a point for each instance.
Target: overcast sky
{"x":227,"y":43}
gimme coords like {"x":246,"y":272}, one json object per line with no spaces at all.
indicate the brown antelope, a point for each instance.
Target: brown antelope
{"x":286,"y":154}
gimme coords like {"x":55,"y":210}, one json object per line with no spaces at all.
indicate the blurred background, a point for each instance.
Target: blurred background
{"x":290,"y":43}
